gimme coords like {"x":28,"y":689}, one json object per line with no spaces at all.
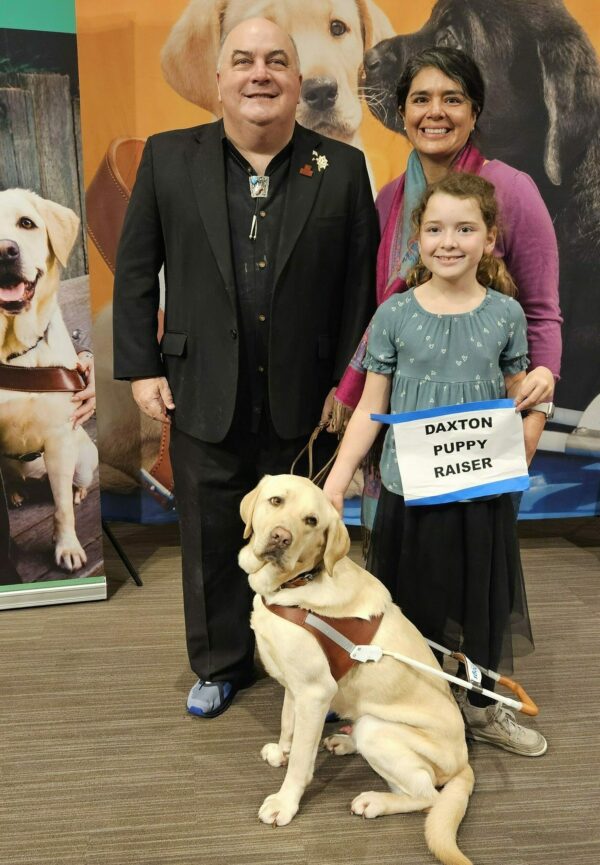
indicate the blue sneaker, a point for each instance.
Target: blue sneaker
{"x":209,"y":699}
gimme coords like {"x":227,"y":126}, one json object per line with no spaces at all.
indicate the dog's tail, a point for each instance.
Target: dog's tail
{"x":442,"y":822}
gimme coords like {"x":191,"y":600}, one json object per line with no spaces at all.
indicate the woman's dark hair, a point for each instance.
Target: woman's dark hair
{"x":452,"y":62}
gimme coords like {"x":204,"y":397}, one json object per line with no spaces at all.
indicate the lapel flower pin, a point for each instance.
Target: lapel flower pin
{"x":322,"y":161}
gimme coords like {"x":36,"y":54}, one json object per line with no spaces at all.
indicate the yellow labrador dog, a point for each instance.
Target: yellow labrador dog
{"x":406,"y":724}
{"x":36,"y":235}
{"x":331,"y":38}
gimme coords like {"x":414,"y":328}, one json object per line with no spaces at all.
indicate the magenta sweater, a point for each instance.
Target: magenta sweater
{"x":527,"y":243}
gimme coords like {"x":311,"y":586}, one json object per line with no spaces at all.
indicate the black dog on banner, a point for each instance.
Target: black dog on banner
{"x":541,"y":116}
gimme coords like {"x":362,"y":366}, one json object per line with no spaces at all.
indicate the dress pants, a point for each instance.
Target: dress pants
{"x":210,"y":482}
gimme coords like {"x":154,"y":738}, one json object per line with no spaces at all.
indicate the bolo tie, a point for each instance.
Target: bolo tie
{"x":259,"y":188}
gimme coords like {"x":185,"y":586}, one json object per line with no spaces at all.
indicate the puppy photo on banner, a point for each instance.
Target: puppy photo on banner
{"x":540,"y":67}
{"x":51,"y":545}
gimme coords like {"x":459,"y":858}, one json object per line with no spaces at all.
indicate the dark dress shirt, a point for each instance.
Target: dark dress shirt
{"x":254,"y":226}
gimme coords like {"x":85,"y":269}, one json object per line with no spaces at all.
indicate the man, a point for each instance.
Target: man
{"x":268,"y":235}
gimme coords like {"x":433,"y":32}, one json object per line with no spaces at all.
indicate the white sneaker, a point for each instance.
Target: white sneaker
{"x":497,"y":725}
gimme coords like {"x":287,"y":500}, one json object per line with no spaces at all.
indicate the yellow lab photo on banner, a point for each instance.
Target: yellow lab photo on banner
{"x":50,"y":524}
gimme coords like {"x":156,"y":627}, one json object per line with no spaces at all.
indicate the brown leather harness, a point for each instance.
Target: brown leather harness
{"x":336,"y":637}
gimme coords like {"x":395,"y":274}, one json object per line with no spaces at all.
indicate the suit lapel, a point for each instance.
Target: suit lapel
{"x":300,"y":194}
{"x":207,"y":170}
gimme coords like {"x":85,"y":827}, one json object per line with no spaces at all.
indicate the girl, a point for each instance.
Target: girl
{"x":456,"y":336}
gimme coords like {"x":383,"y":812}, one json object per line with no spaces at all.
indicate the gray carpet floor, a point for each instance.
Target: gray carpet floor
{"x":101,"y":765}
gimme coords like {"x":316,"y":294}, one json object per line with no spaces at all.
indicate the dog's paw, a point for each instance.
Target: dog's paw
{"x":274,"y":755}
{"x":340,"y":744}
{"x":276,"y":811}
{"x":369,"y":804}
{"x":79,"y":494}
{"x":70,"y":555}
{"x":16,"y":499}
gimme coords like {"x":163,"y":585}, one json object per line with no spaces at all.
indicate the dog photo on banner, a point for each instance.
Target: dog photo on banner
{"x":50,"y":501}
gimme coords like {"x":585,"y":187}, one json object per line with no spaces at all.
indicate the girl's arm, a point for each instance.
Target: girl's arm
{"x":533,"y":422}
{"x":360,"y":434}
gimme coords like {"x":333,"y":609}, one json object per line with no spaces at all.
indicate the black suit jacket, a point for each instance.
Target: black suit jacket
{"x":323,"y":292}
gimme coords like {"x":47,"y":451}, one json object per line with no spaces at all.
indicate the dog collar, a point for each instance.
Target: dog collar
{"x":41,"y":379}
{"x":302,"y":579}
{"x":25,"y":458}
{"x":31,"y":347}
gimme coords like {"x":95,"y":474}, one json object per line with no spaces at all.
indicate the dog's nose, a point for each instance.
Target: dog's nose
{"x":9,"y":250}
{"x":281,"y":537}
{"x":320,"y":93}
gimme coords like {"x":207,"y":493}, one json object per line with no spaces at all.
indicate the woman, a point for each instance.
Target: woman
{"x":440,"y":97}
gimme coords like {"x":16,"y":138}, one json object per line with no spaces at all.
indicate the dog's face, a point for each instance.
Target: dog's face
{"x":331,"y":39}
{"x":530,"y":55}
{"x":34,"y":234}
{"x":292,"y":527}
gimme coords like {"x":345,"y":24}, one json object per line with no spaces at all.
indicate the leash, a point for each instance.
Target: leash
{"x":320,"y":476}
{"x":363,"y":654}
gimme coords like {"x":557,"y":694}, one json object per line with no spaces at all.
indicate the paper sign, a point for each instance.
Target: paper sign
{"x":457,"y":452}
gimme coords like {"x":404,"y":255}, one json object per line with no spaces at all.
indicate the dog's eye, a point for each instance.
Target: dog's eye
{"x":275,"y":501}
{"x":337,"y":28}
{"x":25,"y":222}
{"x":311,"y":521}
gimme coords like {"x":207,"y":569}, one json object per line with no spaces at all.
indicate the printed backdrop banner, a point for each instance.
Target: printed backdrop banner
{"x":452,"y":453}
{"x":50,"y":528}
{"x":147,"y":67}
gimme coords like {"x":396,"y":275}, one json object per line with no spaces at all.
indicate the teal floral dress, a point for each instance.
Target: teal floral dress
{"x":454,"y":569}
{"x":438,"y":360}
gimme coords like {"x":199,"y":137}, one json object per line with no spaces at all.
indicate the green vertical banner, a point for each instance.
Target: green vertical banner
{"x":52,"y":16}
{"x":50,"y":525}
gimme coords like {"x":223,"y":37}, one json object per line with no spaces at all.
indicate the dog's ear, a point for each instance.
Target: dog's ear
{"x":248,"y":504}
{"x":62,"y":225}
{"x":338,"y":543}
{"x":189,"y":56}
{"x":569,"y":78}
{"x":375,"y":24}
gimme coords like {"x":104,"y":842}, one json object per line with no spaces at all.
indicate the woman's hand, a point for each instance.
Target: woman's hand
{"x":537,"y":386}
{"x":327,"y":411}
{"x":85,"y":399}
{"x":533,"y":427}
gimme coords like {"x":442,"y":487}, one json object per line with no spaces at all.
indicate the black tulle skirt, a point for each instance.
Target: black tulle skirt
{"x":455,"y":571}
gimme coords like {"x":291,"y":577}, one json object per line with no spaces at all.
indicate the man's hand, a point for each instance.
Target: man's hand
{"x":327,"y":413}
{"x":153,"y":396}
{"x":85,"y":399}
{"x":537,"y":386}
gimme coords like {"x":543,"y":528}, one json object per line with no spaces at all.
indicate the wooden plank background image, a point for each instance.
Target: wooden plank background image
{"x":40,"y":145}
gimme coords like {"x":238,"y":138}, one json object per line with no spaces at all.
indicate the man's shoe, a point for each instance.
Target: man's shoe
{"x":497,"y":725}
{"x":209,"y":699}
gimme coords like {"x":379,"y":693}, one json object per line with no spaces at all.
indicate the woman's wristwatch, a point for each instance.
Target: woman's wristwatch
{"x":546,"y":408}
